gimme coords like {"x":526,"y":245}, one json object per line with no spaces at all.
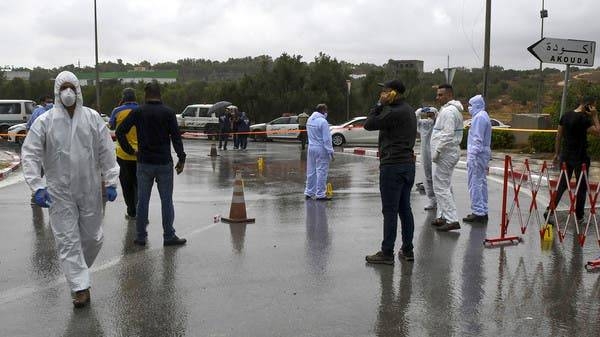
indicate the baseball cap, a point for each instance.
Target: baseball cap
{"x":395,"y":85}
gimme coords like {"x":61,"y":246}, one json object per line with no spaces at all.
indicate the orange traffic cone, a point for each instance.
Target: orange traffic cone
{"x":237,"y":212}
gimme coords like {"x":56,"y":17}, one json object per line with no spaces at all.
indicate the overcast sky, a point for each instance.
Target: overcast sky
{"x":50,"y":33}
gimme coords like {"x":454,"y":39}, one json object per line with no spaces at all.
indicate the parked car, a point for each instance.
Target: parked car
{"x":16,"y":133}
{"x":258,"y":132}
{"x":353,"y":131}
{"x":14,"y":111}
{"x":495,"y":123}
{"x":285,"y":127}
{"x":195,"y":117}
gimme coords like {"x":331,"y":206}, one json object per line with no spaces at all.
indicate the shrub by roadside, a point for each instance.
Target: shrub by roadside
{"x":501,"y":139}
{"x":544,"y":142}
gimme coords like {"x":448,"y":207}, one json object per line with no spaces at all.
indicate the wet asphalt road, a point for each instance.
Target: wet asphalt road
{"x":298,"y":271}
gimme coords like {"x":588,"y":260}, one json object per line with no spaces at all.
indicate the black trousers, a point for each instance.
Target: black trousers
{"x":302,"y":136}
{"x":575,"y":167}
{"x":243,"y":141}
{"x":223,"y":138}
{"x":128,"y":179}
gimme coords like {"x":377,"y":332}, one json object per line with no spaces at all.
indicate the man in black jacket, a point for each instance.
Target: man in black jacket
{"x":397,"y":125}
{"x":156,"y":126}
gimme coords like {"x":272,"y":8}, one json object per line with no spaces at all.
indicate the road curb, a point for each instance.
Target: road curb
{"x":14,"y":165}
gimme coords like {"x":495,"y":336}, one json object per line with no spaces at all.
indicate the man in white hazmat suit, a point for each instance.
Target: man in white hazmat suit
{"x":320,"y":153}
{"x":478,"y":157}
{"x":73,"y":145}
{"x":425,"y":120}
{"x":445,"y":153}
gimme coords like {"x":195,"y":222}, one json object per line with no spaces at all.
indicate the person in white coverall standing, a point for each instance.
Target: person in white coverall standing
{"x":445,"y":153}
{"x":320,"y":153}
{"x":478,"y":157}
{"x":73,"y":145}
{"x":425,"y":120}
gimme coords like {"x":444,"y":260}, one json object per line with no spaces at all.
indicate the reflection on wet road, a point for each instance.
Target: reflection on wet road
{"x":298,"y":271}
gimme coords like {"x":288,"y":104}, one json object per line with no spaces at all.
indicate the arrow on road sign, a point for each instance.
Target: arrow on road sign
{"x":564,"y":51}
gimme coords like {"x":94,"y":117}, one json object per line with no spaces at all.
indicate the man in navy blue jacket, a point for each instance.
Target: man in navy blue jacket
{"x":156,"y":126}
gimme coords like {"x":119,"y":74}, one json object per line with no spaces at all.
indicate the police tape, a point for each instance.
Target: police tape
{"x":298,"y":131}
{"x":523,"y":130}
{"x":13,"y":134}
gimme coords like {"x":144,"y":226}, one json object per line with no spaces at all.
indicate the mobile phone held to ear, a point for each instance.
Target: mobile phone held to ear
{"x":392,"y":95}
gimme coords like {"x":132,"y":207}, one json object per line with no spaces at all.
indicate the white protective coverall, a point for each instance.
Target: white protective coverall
{"x":478,"y":155}
{"x":425,"y":128}
{"x":320,"y":152}
{"x":445,"y":153}
{"x":74,"y":153}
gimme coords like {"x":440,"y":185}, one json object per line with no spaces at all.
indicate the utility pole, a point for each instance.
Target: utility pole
{"x":563,"y":101}
{"x":348,"y":84}
{"x":97,"y":73}
{"x":540,"y":94}
{"x":486,"y":53}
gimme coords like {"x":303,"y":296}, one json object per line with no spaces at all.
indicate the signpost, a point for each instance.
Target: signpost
{"x":564,"y":51}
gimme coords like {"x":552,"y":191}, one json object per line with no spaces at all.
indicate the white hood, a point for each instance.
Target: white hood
{"x":64,"y":77}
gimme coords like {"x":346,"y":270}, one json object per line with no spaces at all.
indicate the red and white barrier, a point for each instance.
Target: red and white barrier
{"x":535,"y":181}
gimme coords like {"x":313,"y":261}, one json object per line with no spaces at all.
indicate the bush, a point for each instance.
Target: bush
{"x":594,"y":147}
{"x":501,"y":139}
{"x":542,"y":141}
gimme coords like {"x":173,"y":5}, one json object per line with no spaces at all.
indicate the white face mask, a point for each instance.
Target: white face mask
{"x":68,"y":97}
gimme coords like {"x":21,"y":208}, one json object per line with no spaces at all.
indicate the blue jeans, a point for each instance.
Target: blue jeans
{"x":163,"y":174}
{"x":395,"y":183}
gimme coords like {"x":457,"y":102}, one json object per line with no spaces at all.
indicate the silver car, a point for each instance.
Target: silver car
{"x":353,"y":131}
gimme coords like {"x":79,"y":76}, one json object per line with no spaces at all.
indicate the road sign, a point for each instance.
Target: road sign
{"x":564,"y":51}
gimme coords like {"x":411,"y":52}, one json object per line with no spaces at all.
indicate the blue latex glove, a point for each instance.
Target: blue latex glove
{"x":111,"y":193}
{"x":42,"y":198}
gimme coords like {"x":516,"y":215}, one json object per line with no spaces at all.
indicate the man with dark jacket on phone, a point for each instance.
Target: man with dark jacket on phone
{"x":571,"y":148}
{"x":397,"y":125}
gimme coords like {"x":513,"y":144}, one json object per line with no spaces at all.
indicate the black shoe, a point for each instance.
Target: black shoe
{"x":438,"y":222}
{"x":407,"y":256}
{"x":380,"y":258}
{"x":307,"y":197}
{"x":476,"y":218}
{"x":324,"y":199}
{"x":139,"y":242}
{"x":82,"y":298}
{"x":551,"y":218}
{"x":175,"y":241}
{"x":449,"y":226}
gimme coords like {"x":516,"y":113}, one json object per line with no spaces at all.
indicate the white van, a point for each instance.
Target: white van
{"x":195,"y":117}
{"x":14,"y":111}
